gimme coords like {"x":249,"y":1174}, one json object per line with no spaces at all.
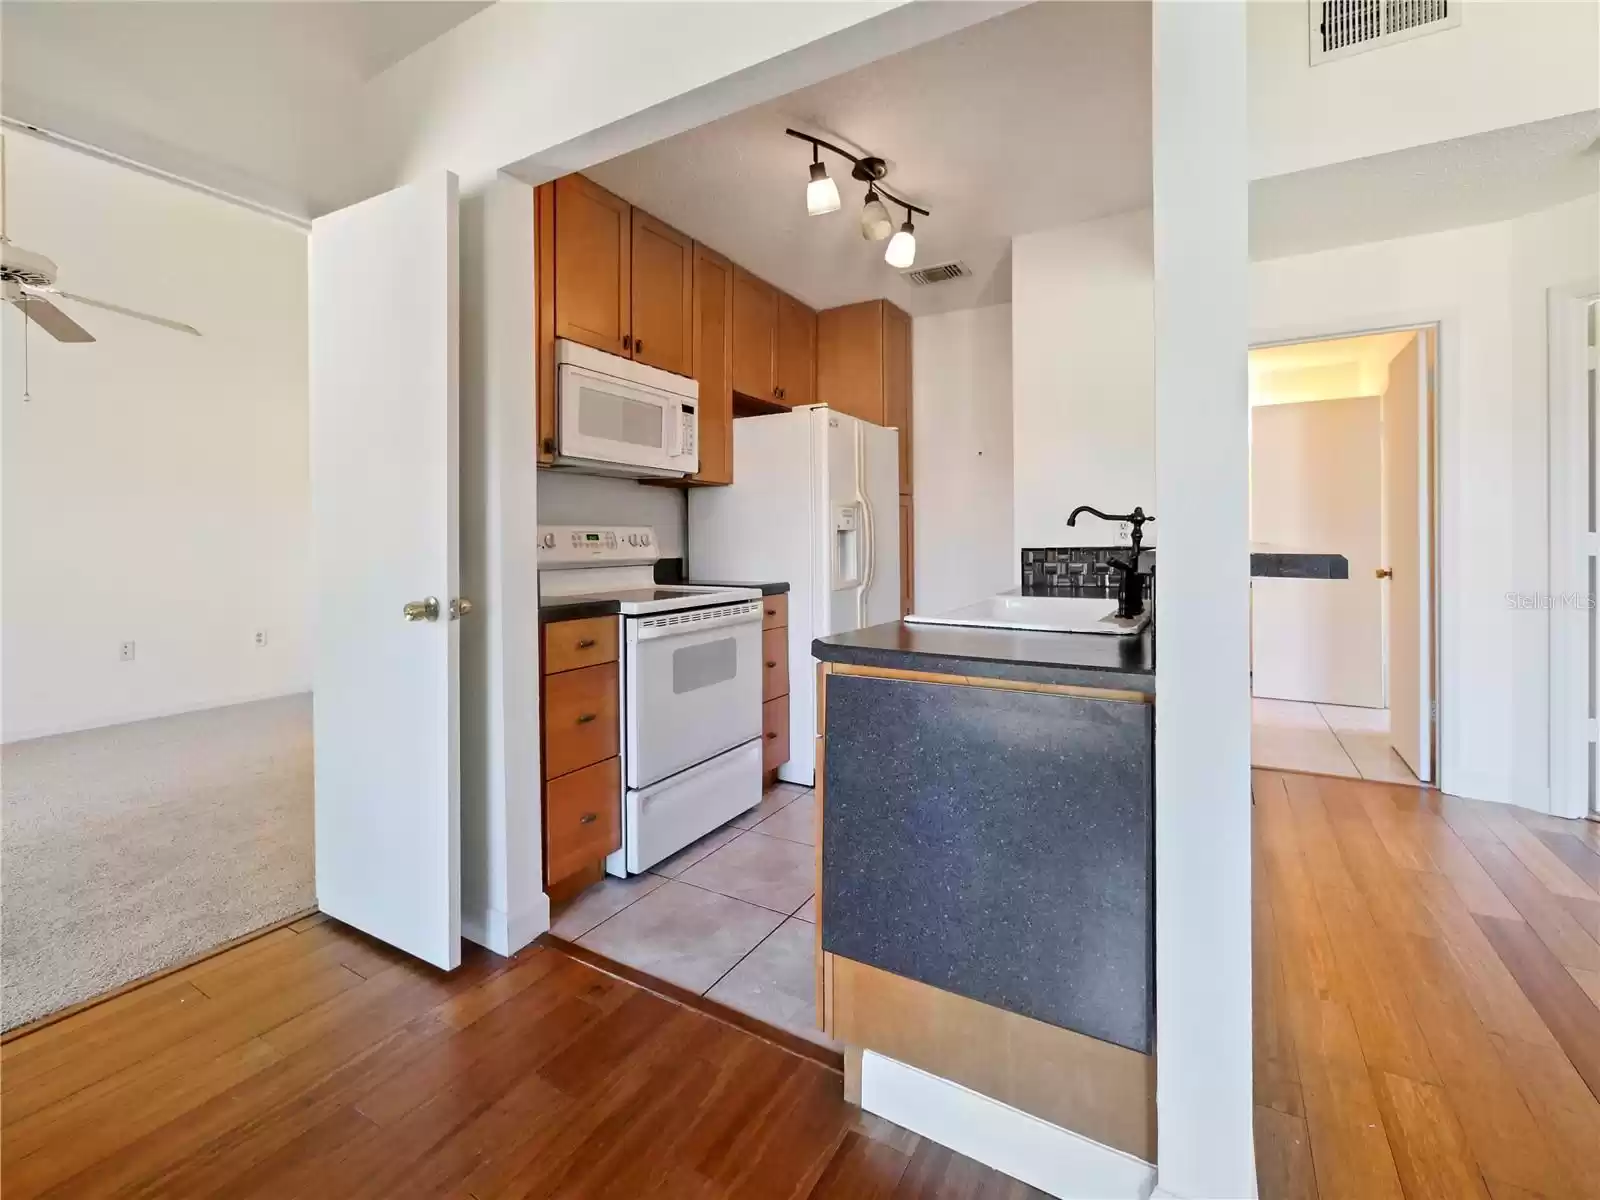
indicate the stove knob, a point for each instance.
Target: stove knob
{"x":548,"y":541}
{"x":644,"y":539}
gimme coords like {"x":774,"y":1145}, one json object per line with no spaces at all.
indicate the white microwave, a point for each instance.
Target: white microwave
{"x":615,"y":416}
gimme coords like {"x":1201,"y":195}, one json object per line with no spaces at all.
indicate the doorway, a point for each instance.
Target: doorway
{"x":1342,"y":461}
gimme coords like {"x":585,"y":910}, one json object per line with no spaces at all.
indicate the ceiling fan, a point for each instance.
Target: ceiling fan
{"x":28,"y":281}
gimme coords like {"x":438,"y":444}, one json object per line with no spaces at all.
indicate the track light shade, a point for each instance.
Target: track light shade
{"x":902,"y":251}
{"x":822,"y":194}
{"x":875,"y":222}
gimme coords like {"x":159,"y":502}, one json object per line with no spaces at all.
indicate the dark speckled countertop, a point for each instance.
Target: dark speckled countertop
{"x":1075,"y":659}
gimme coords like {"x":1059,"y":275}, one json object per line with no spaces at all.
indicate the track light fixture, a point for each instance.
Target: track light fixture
{"x":822,"y":196}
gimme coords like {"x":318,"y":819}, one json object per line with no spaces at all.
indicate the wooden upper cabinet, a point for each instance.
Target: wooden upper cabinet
{"x":850,"y":360}
{"x":663,"y":295}
{"x":593,"y":263}
{"x":755,"y":335}
{"x":796,"y":366}
{"x":713,"y":363}
{"x":897,"y":384}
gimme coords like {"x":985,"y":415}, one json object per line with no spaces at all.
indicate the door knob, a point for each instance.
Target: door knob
{"x":1384,"y":572}
{"x":423,"y":610}
{"x":460,"y":607}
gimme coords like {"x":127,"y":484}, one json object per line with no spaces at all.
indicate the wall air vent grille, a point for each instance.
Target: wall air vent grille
{"x":923,"y":276}
{"x":1340,"y":28}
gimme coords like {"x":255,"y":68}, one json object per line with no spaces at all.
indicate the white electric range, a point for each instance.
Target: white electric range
{"x":690,"y":680}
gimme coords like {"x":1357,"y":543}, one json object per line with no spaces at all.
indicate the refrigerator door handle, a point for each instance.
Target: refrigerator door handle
{"x":869,"y":547}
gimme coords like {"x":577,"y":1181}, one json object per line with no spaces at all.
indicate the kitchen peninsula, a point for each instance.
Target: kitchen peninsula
{"x":987,"y":865}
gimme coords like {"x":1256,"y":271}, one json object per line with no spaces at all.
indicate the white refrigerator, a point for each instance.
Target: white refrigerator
{"x":815,"y":502}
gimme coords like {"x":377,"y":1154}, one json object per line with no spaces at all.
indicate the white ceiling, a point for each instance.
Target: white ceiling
{"x":1030,"y":120}
{"x":1469,"y":181}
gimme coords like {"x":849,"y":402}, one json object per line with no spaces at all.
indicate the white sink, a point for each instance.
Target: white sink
{"x":1044,"y":614}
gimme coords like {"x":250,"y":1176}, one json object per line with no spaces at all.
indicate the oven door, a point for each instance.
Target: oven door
{"x":607,"y":420}
{"x":693,"y":687}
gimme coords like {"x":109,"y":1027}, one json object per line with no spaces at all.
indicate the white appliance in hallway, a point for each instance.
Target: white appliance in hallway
{"x":815,"y":503}
{"x":691,"y":687}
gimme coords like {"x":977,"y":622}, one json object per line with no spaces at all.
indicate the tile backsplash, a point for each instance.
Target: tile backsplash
{"x":1070,"y":568}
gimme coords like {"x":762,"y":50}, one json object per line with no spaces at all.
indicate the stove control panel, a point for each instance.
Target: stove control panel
{"x":596,"y":545}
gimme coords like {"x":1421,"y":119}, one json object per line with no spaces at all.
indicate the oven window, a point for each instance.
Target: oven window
{"x":614,"y":418}
{"x":696,"y":667}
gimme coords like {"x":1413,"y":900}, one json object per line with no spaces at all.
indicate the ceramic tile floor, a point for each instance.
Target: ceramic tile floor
{"x":731,"y":916}
{"x":1325,"y":739}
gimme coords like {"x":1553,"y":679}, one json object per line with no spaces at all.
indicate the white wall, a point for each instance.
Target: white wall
{"x":962,"y":456}
{"x":1508,"y":62}
{"x":156,"y":488}
{"x":567,"y":499}
{"x":1486,"y":285}
{"x":1083,"y":378}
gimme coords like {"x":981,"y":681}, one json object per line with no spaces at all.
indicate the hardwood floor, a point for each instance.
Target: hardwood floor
{"x":1427,"y":973}
{"x":1425,"y":995}
{"x":314,"y":1062}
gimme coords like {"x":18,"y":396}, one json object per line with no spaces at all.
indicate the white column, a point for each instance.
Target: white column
{"x":1203,"y":1037}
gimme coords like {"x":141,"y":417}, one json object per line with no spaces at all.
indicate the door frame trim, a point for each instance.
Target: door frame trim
{"x":1438,"y":324}
{"x":1567,"y":387}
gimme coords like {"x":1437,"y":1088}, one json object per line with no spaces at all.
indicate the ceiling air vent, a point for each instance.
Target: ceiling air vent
{"x":942,"y":273}
{"x":1340,"y":28}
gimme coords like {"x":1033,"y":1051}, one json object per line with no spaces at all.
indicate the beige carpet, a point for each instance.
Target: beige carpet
{"x":128,"y":849}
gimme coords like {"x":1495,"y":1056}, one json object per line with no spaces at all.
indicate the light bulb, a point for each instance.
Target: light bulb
{"x":875,"y":222}
{"x":902,"y":251}
{"x":822,"y":194}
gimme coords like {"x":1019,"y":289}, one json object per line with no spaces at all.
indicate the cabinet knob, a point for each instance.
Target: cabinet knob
{"x":585,"y":643}
{"x":772,"y":612}
{"x":585,"y":718}
{"x":771,"y":663}
{"x":588,"y":818}
{"x":638,"y":345}
{"x":772,"y":737}
{"x":627,"y":341}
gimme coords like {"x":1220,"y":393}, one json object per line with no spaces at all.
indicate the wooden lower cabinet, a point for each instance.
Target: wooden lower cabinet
{"x":581,"y":734}
{"x":775,"y":732}
{"x":582,"y":819}
{"x":774,"y":663}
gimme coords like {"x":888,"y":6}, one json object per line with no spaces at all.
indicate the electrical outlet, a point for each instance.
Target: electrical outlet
{"x":125,"y":652}
{"x":261,"y":637}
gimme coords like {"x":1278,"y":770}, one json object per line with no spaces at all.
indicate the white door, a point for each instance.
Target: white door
{"x":1316,"y":484}
{"x":880,"y":494}
{"x":1407,"y":523}
{"x":383,"y":311}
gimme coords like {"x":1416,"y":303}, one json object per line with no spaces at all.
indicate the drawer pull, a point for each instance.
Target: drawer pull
{"x":585,"y":718}
{"x":588,"y":818}
{"x":772,"y":737}
{"x":586,"y":643}
{"x":772,"y":612}
{"x":771,"y":662}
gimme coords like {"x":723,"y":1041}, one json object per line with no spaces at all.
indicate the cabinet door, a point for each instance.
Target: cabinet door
{"x":897,"y":384}
{"x":663,"y":295}
{"x":593,"y":265}
{"x":850,"y":360}
{"x":908,"y":546}
{"x":755,"y":326}
{"x":713,"y":363}
{"x":797,"y":352}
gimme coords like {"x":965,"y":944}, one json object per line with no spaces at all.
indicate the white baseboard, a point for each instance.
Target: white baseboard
{"x":506,"y":934}
{"x":1494,"y":789}
{"x":1045,"y":1156}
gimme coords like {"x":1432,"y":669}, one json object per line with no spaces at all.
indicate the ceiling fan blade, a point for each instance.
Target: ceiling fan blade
{"x":127,"y":312}
{"x":52,"y":320}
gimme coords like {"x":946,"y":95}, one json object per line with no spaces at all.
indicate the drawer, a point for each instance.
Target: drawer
{"x":774,"y":611}
{"x":569,"y":645}
{"x":774,"y":663}
{"x":581,"y":723}
{"x":582,"y":818}
{"x":775,"y":733}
